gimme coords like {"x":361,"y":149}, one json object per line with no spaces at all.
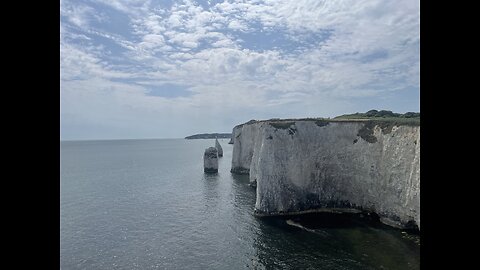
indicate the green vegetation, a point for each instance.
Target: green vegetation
{"x":282,"y":124}
{"x":366,"y":132}
{"x":385,"y":119}
{"x":409,"y":118}
{"x":322,"y":123}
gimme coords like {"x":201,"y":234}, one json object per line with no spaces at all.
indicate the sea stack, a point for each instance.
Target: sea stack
{"x":219,"y":148}
{"x":210,"y":160}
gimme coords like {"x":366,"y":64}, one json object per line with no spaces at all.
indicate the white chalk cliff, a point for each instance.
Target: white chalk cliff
{"x":219,"y":148}
{"x":317,"y":165}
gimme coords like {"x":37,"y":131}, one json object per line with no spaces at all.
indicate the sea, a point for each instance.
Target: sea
{"x":147,"y":204}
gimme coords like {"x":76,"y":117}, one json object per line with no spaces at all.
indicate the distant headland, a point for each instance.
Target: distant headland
{"x":210,"y":136}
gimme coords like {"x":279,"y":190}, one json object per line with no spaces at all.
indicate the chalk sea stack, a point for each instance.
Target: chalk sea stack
{"x":210,"y":160}
{"x":219,"y":148}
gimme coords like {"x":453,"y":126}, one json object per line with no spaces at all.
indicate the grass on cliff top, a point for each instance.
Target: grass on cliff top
{"x":393,"y":121}
{"x":285,"y":123}
{"x":409,"y":118}
{"x":282,"y":124}
{"x":400,"y":121}
{"x":376,"y":117}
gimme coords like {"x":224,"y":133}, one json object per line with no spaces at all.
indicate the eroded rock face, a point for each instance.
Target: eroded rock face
{"x":244,"y":141}
{"x":210,"y":160}
{"x":302,"y":166}
{"x":219,"y":148}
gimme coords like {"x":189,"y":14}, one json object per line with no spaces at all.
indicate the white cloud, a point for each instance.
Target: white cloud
{"x":152,"y":42}
{"x":369,"y":48}
{"x":237,"y":25}
{"x":131,"y":7}
{"x":76,"y":64}
{"x":76,"y":14}
{"x":225,"y":43}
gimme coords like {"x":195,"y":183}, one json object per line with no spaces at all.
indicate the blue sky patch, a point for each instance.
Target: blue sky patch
{"x":244,"y":59}
{"x":169,"y":90}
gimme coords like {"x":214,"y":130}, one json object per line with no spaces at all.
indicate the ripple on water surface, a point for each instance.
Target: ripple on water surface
{"x":146,"y":204}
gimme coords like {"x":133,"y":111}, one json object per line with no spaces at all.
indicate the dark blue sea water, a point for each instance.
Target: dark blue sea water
{"x":146,"y":204}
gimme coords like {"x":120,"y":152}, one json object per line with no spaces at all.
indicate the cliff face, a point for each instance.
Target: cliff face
{"x":219,"y":148}
{"x":306,"y":165}
{"x":244,"y":141}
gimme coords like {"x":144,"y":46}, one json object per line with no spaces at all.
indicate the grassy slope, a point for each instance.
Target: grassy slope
{"x":394,"y":119}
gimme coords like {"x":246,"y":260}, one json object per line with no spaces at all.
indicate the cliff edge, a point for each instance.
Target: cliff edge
{"x":342,"y":165}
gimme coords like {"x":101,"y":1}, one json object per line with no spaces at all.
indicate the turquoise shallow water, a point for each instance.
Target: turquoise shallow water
{"x":146,"y":204}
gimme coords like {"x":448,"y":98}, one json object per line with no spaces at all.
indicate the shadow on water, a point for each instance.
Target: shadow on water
{"x":320,"y":240}
{"x":210,"y":189}
{"x":243,"y":196}
{"x":333,"y":241}
{"x":326,"y":240}
{"x":241,"y":178}
{"x":211,"y":177}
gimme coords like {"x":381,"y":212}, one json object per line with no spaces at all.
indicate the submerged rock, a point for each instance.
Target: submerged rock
{"x":219,"y":148}
{"x":210,"y":160}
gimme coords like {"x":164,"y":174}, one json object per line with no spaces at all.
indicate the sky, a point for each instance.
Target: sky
{"x":168,"y":69}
